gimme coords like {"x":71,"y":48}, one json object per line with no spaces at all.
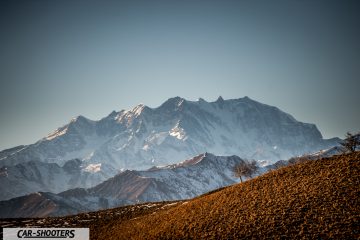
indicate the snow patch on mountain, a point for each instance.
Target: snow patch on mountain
{"x":93,"y":168}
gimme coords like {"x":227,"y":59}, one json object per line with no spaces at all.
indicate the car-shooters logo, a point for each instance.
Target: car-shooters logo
{"x":45,"y":233}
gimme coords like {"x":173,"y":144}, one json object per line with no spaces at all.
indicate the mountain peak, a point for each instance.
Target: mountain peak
{"x":172,"y":103}
{"x":201,"y":100}
{"x":176,"y":100}
{"x":137,"y":110}
{"x":79,"y":118}
{"x":220,"y":99}
{"x":248,"y":100}
{"x":112,"y":114}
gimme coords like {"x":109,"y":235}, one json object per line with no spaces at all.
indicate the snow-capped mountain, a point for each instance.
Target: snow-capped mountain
{"x":178,"y":129}
{"x":184,"y":180}
{"x":35,"y":176}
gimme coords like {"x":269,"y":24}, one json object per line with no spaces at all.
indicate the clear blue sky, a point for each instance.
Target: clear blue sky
{"x":60,"y":59}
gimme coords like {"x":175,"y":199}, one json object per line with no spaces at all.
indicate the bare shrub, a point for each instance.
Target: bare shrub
{"x":245,"y":169}
{"x":351,"y":142}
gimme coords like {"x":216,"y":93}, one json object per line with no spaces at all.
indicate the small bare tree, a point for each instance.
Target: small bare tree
{"x":245,"y":169}
{"x":351,"y":142}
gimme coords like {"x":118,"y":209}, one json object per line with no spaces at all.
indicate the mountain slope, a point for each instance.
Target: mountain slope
{"x":312,"y":200}
{"x":176,"y":130}
{"x":36,"y":176}
{"x":315,"y":199}
{"x":39,"y":205}
{"x":184,"y":180}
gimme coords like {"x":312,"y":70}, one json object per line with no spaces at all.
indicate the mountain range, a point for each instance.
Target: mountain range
{"x":145,"y":145}
{"x":183,"y":180}
{"x":178,"y":129}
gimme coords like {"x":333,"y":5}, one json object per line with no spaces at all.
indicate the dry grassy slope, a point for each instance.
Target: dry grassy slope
{"x":315,"y":199}
{"x":98,"y":221}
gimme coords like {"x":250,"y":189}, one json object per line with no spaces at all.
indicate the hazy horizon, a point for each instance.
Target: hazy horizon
{"x":69,"y":58}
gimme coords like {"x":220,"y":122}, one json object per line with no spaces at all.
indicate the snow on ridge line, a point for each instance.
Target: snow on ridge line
{"x":192,"y":161}
{"x":138,"y":109}
{"x":57,"y":133}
